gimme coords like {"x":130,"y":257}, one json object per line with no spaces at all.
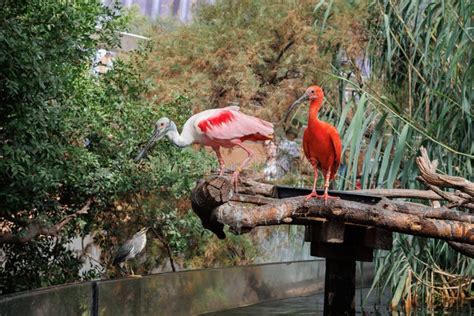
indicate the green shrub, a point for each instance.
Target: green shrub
{"x":67,"y":136}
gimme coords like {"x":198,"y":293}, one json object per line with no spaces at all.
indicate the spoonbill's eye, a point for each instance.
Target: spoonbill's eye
{"x":312,"y":91}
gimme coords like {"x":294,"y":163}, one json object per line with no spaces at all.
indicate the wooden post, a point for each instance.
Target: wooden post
{"x":342,"y":245}
{"x":339,"y":287}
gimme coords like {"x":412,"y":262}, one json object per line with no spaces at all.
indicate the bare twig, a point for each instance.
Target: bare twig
{"x":36,"y":229}
{"x":167,"y":247}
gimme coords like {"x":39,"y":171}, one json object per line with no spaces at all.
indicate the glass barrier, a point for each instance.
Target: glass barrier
{"x":176,"y":293}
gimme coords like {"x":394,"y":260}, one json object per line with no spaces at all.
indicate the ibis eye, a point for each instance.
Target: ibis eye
{"x":312,"y":91}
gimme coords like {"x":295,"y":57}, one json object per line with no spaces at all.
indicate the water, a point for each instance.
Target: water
{"x":306,"y":305}
{"x":314,"y":305}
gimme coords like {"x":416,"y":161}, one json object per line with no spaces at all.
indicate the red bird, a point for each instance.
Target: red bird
{"x":321,"y":141}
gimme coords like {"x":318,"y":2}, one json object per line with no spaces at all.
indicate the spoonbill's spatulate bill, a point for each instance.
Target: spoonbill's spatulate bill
{"x":321,"y":142}
{"x":225,"y":127}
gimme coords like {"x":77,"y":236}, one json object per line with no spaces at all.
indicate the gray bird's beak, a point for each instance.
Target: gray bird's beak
{"x":157,"y":135}
{"x":303,"y":98}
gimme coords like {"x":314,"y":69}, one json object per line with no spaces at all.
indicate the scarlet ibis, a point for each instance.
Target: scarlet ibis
{"x":321,"y":141}
{"x":224,"y":127}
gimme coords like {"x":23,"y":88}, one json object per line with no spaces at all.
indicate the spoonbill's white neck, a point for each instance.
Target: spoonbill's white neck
{"x":179,"y":140}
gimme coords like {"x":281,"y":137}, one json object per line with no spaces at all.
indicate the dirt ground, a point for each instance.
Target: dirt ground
{"x":234,"y":156}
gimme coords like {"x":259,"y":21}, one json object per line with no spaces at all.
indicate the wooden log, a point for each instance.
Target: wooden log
{"x":390,"y":215}
{"x":213,"y":201}
{"x":465,"y":249}
{"x":401,"y":193}
{"x":428,"y":173}
{"x":255,"y":188}
{"x":205,"y":197}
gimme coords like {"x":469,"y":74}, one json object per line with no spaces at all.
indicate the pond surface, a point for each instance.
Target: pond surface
{"x":314,"y":305}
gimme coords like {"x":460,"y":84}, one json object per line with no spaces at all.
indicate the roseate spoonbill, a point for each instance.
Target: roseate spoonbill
{"x":131,"y":248}
{"x":224,"y":127}
{"x":321,"y":142}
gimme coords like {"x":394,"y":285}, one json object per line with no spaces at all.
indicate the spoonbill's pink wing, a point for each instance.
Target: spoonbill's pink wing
{"x":229,"y":123}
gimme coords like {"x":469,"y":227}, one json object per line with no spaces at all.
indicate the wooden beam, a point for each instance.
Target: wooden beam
{"x":328,"y":232}
{"x":378,"y":238}
{"x":339,"y":287}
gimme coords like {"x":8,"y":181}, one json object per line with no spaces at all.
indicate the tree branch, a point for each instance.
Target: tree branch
{"x":36,"y":229}
{"x":428,"y":173}
{"x":394,"y":216}
{"x":401,"y":193}
{"x":256,"y":205}
{"x":465,"y":249}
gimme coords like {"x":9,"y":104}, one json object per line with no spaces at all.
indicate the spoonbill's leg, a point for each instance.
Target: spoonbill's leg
{"x":313,"y":193}
{"x":221,"y":160}
{"x":235,"y":176}
{"x":326,"y":196}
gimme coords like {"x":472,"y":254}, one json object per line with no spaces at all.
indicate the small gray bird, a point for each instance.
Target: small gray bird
{"x":131,"y":248}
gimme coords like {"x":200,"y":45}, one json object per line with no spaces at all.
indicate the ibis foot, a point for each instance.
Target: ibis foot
{"x":327,"y":197}
{"x":313,"y":195}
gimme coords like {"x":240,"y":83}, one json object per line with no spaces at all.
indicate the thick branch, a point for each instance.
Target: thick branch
{"x":401,"y":193}
{"x":207,"y":195}
{"x":256,"y":188}
{"x":265,"y":189}
{"x":465,"y":249}
{"x":428,"y":173}
{"x":455,"y":200}
{"x":394,"y":216}
{"x":36,"y":229}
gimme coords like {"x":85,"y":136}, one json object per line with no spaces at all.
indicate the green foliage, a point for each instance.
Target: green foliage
{"x":40,"y":263}
{"x":419,"y":94}
{"x":420,"y":272}
{"x":67,"y":136}
{"x":425,"y":48}
{"x":254,"y":53}
{"x":44,"y":48}
{"x":420,"y":61}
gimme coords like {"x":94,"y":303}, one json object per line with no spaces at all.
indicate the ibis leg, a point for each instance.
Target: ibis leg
{"x":326,"y":195}
{"x":339,"y":287}
{"x":313,"y":192}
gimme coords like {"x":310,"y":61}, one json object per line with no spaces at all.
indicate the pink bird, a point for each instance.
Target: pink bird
{"x":216,"y":128}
